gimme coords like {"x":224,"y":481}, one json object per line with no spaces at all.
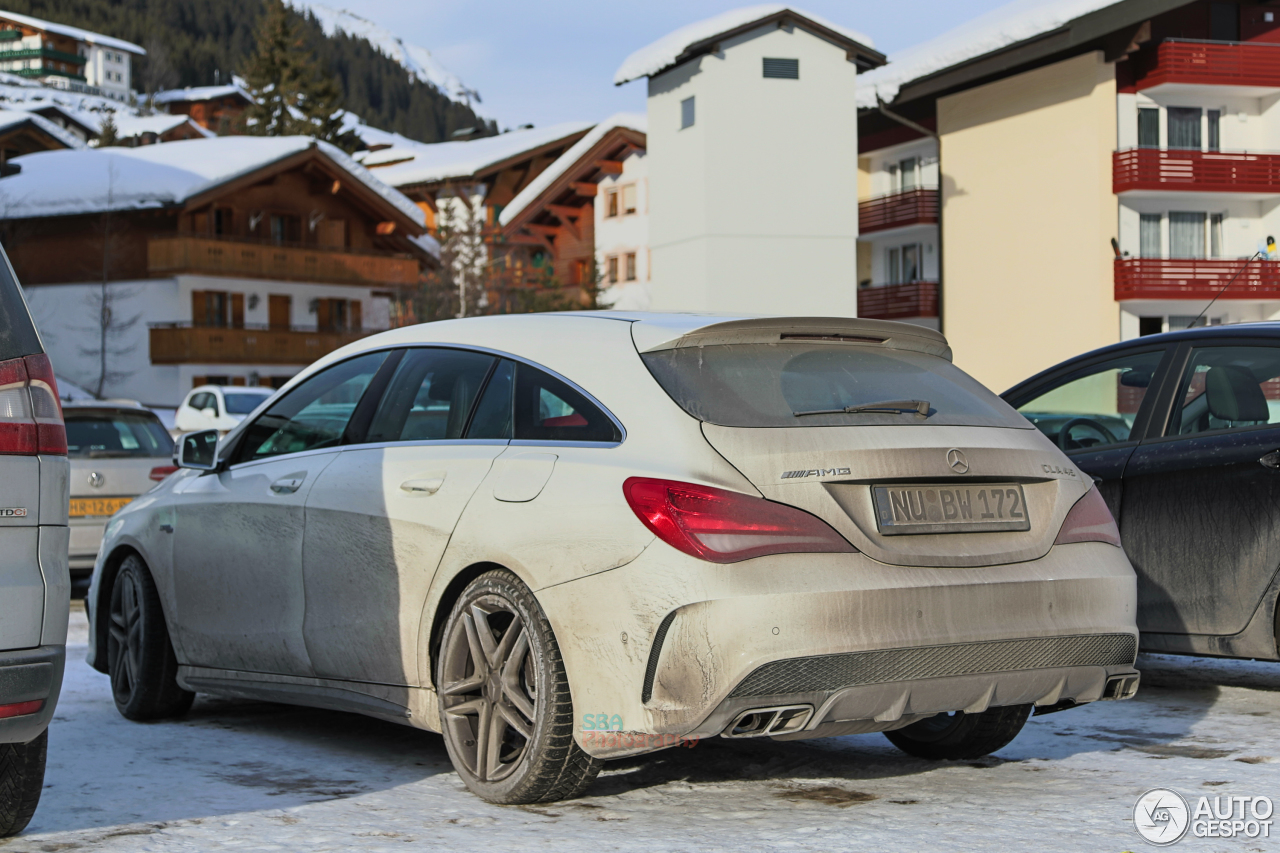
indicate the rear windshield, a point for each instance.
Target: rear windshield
{"x":242,"y":404}
{"x":812,"y":384}
{"x":17,"y":334}
{"x":101,"y":434}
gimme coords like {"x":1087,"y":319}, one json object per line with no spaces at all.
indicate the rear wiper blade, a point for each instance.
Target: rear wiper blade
{"x":111,"y":454}
{"x":919,"y":408}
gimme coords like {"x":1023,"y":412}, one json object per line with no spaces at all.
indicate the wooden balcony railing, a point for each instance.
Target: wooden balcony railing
{"x":242,"y":259}
{"x":1156,"y":278}
{"x":898,"y":301}
{"x":1222,"y":63}
{"x":909,"y":207}
{"x":178,"y":343}
{"x":1195,"y":171}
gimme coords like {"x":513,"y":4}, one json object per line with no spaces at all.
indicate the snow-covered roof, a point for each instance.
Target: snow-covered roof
{"x":73,"y":32}
{"x":200,"y":93}
{"x":999,"y":28}
{"x":428,"y":244}
{"x":128,"y":126}
{"x":58,"y":183}
{"x":17,"y":93}
{"x":418,"y":61}
{"x":566,"y":161}
{"x":666,"y":51}
{"x":419,"y":162}
{"x":9,"y":118}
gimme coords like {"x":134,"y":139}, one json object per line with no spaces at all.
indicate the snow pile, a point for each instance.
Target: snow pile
{"x":409,"y":162}
{"x":999,"y":28}
{"x":58,"y":183}
{"x":9,"y":118}
{"x":566,"y":160}
{"x":664,"y":52}
{"x":75,"y":33}
{"x":418,"y":61}
{"x":200,"y":93}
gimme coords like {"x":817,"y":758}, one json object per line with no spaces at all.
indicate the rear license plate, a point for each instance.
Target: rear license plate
{"x":929,"y":508}
{"x":82,"y":507}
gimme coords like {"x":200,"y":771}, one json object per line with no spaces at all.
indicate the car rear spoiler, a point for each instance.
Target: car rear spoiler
{"x":652,"y":336}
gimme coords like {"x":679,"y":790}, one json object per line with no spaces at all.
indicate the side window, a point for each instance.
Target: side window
{"x":1228,"y":388}
{"x":430,"y":396}
{"x":314,"y":414}
{"x":547,"y":409}
{"x":1096,"y":405}
{"x":493,"y":415}
{"x":200,"y":401}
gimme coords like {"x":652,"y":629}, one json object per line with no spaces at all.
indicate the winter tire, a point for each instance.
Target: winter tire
{"x":140,"y":658}
{"x":504,"y":698}
{"x":961,"y":736}
{"x":21,"y":780}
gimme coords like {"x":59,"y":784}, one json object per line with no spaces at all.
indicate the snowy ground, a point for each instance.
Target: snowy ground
{"x":247,"y":776}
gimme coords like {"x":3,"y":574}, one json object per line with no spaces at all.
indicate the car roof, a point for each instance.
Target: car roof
{"x":130,"y":405}
{"x":1264,"y":329}
{"x":238,"y":389}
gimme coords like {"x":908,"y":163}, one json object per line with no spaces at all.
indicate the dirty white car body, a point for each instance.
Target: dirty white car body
{"x":327,"y":577}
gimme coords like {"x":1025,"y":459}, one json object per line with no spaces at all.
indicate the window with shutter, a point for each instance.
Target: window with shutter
{"x":783,"y":69}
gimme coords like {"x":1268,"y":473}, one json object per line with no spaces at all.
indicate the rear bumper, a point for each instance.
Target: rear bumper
{"x":675,"y":646}
{"x":25,"y":676}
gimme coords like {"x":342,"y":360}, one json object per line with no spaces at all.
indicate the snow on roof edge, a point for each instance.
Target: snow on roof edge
{"x":199,"y":93}
{"x":390,"y":193}
{"x":75,"y":33}
{"x":663,"y":53}
{"x":65,"y":137}
{"x":562,"y":163}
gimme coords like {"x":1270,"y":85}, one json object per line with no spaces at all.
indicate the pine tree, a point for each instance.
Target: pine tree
{"x":293,"y":97}
{"x":107,"y":132}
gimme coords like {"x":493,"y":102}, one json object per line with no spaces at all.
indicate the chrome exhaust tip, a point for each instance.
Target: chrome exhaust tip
{"x":1122,"y":686}
{"x":766,"y":722}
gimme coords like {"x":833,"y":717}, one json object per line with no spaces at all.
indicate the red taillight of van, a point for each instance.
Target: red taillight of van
{"x":30,"y":412}
{"x":725,"y":527}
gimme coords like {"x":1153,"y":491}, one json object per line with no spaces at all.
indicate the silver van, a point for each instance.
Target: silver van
{"x":35,"y":584}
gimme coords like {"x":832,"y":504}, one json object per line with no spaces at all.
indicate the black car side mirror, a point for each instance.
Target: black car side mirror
{"x":1135,"y":379}
{"x":199,"y":450}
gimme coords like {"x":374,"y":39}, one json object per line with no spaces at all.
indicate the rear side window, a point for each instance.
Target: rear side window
{"x":548,"y":409}
{"x":242,"y":404}
{"x":430,"y":396}
{"x":100,"y":434}
{"x":807,"y":384}
{"x":17,"y":334}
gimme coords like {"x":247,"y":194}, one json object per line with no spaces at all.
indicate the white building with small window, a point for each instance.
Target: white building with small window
{"x":752,"y":163}
{"x":67,"y":57}
{"x":622,"y":234}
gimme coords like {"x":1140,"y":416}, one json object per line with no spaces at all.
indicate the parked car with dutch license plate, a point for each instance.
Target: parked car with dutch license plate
{"x":560,"y":539}
{"x":1181,"y":432}
{"x":34,"y":584}
{"x":117,"y":451}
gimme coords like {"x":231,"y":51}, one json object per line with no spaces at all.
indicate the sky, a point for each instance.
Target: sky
{"x":553,"y":61}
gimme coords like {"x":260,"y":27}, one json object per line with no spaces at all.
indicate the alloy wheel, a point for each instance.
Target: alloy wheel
{"x":489,"y":688}
{"x":124,"y":641}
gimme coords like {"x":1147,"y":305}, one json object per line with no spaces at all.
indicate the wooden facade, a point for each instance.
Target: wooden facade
{"x":223,"y":115}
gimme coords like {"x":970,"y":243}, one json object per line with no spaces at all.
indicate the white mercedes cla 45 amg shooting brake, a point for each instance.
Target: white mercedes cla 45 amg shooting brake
{"x":562,"y":538}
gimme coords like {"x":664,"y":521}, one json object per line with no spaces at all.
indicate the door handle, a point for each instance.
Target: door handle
{"x":1271,"y":460}
{"x":166,"y":528}
{"x":286,"y":485}
{"x":422,"y":487}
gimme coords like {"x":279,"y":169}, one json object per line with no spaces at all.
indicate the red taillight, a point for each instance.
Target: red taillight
{"x":30,"y":413}
{"x":21,"y":709}
{"x":1089,"y":521}
{"x":159,"y":472}
{"x":726,"y":527}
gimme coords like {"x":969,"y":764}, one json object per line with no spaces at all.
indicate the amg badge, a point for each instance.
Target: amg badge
{"x":816,"y":472}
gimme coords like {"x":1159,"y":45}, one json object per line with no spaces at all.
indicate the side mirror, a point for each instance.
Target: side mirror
{"x":199,"y":450}
{"x":209,"y":412}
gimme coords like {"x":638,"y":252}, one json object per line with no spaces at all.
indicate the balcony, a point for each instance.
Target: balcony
{"x":242,"y":259}
{"x":181,"y":343}
{"x":1194,"y":171}
{"x":1213,"y":63}
{"x":1155,"y":278}
{"x":909,"y":207}
{"x":898,"y":301}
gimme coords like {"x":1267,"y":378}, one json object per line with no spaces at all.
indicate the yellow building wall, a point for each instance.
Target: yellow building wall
{"x":1027,"y":219}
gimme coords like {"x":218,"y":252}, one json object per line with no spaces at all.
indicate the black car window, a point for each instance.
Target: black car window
{"x":314,"y":414}
{"x":430,"y":396}
{"x":493,"y":415}
{"x":242,"y":403}
{"x":1096,"y":405}
{"x":204,"y":400}
{"x":548,"y":409}
{"x":103,"y":433}
{"x":17,"y":334}
{"x":1228,"y":387}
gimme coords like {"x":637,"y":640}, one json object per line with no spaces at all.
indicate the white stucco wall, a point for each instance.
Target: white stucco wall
{"x":618,"y":236}
{"x":754,"y":207}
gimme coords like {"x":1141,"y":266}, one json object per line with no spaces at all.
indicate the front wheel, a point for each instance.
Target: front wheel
{"x":21,"y":780}
{"x":140,"y":657}
{"x":961,"y":736}
{"x":504,"y":698}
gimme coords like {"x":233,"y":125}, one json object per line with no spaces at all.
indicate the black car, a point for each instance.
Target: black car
{"x":1181,"y":432}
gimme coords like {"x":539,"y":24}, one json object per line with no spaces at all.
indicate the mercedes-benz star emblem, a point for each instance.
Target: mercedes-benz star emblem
{"x":96,"y":479}
{"x":956,"y":460}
